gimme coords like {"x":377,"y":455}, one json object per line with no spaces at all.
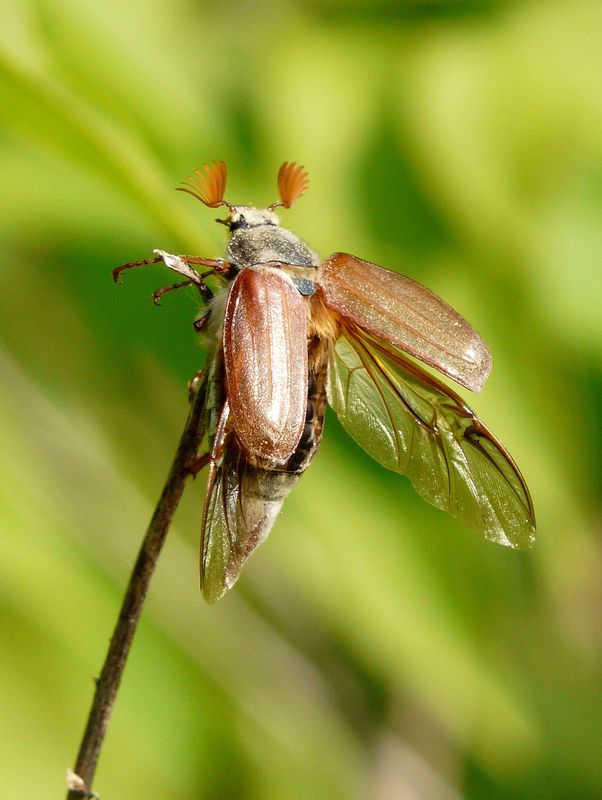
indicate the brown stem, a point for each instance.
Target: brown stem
{"x":110,"y":677}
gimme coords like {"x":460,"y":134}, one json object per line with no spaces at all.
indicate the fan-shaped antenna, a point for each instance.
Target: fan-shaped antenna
{"x":209,"y":185}
{"x":293,"y":180}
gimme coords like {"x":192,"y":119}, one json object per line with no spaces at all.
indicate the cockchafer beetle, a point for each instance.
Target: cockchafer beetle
{"x":287,"y":332}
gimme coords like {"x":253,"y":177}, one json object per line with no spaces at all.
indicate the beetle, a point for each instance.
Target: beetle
{"x":288,"y":332}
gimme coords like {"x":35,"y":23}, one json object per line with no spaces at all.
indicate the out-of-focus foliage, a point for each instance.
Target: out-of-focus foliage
{"x":373,"y":648}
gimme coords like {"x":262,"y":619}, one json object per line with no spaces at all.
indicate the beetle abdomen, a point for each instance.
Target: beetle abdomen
{"x":316,"y":407}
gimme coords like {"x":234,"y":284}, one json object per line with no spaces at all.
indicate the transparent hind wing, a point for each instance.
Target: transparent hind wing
{"x":413,"y":424}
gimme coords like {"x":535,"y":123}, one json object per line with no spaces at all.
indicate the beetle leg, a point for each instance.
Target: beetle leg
{"x":158,"y":294}
{"x":194,"y":383}
{"x":118,"y":270}
{"x":217,"y":265}
{"x":198,"y":464}
{"x":181,"y":264}
{"x":201,"y":323}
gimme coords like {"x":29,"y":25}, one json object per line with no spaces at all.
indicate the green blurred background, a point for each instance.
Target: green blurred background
{"x":372,"y":648}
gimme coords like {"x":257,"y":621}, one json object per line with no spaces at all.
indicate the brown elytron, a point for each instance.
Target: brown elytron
{"x":288,"y":331}
{"x":406,"y":314}
{"x":265,"y":358}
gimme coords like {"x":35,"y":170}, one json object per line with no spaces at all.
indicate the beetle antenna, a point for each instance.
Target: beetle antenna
{"x":209,"y":185}
{"x":293,"y":180}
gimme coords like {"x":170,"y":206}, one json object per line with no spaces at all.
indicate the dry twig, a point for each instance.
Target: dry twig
{"x":110,"y":677}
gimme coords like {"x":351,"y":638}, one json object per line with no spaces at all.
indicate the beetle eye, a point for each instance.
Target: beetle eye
{"x":239,"y":222}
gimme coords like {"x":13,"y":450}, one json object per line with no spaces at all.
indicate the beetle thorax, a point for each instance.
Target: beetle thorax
{"x":257,"y":238}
